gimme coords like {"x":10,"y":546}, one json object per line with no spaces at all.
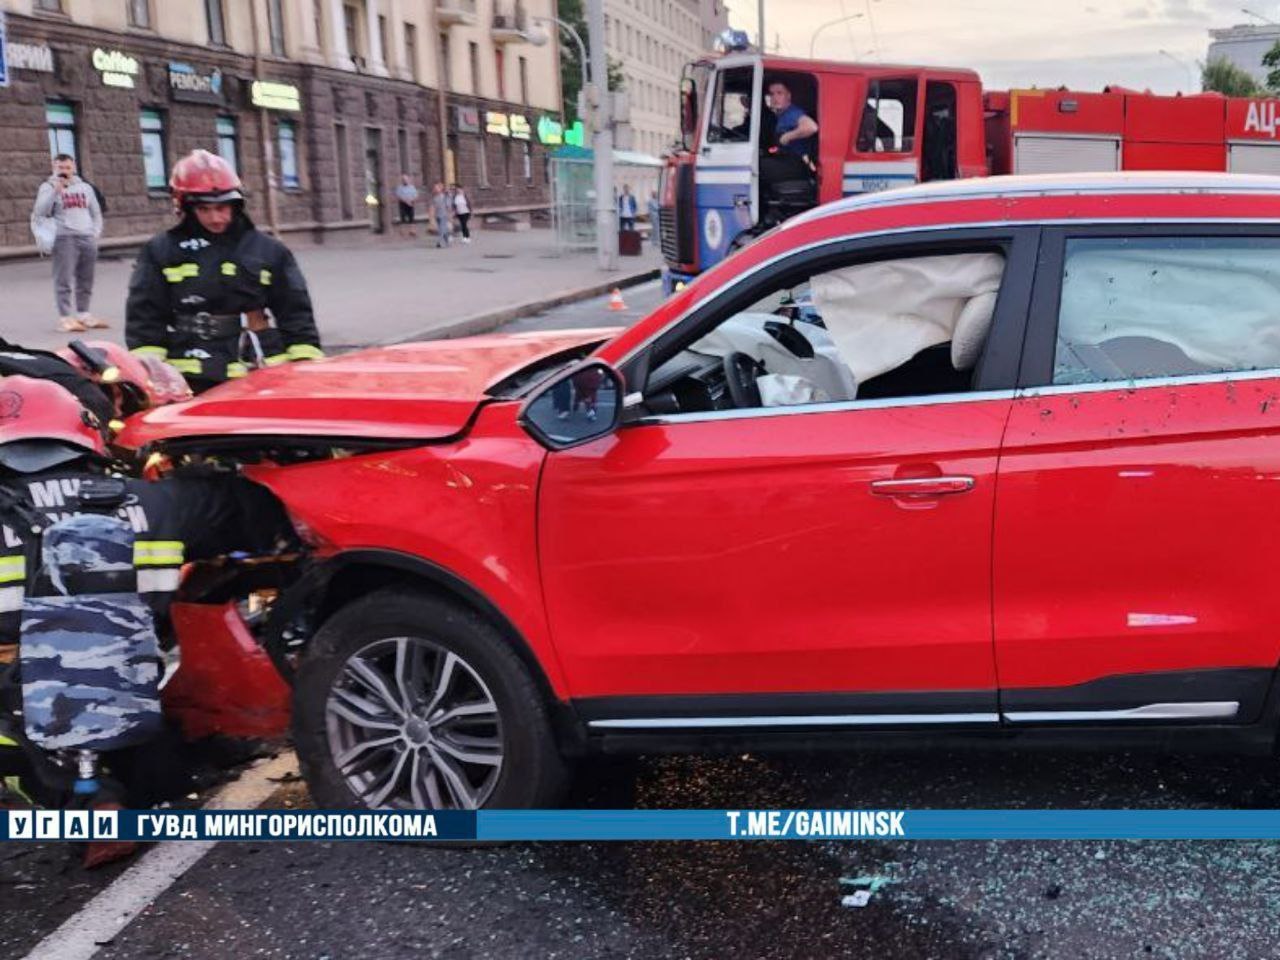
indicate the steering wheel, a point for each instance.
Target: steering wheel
{"x":740,"y":372}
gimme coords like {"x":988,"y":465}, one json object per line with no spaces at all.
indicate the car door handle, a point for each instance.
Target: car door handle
{"x":922,"y":486}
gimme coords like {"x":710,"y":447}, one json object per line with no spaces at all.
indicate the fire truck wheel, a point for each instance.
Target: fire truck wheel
{"x":406,"y":700}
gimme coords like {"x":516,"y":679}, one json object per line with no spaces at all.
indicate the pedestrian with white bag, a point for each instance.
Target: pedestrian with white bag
{"x":66,"y":222}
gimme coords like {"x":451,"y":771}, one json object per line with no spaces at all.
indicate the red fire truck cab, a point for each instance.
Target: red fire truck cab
{"x":883,"y":126}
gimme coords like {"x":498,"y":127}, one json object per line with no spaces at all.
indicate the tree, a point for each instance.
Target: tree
{"x":1223,"y":76}
{"x":1271,"y":60}
{"x":572,"y":13}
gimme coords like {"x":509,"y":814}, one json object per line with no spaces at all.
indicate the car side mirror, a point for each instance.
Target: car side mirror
{"x":576,"y":406}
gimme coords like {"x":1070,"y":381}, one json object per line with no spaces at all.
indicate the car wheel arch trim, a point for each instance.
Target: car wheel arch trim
{"x":312,"y":592}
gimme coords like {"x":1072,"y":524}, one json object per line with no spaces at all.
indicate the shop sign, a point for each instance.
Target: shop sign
{"x":466,"y":119}
{"x":520,"y":127}
{"x":195,"y":85}
{"x":275,"y":96}
{"x":575,"y":136}
{"x":116,"y":69}
{"x":30,"y":56}
{"x":498,"y":124}
{"x":550,"y":132}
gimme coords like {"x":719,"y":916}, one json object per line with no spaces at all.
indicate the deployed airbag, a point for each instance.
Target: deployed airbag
{"x":882,"y":314}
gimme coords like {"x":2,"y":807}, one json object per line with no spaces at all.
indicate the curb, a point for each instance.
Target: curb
{"x":493,"y":319}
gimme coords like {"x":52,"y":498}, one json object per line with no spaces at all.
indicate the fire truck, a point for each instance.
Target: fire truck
{"x":882,"y":126}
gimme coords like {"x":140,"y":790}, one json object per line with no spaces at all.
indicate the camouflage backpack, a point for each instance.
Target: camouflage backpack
{"x":89,"y":657}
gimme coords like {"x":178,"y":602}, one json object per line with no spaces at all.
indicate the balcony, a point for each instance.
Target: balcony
{"x":510,"y":26}
{"x":450,"y":12}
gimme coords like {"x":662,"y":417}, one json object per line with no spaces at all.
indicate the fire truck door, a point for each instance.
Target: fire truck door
{"x":728,"y":159}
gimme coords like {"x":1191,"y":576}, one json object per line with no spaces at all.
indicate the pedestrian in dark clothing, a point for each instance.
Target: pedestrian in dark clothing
{"x":462,"y":209}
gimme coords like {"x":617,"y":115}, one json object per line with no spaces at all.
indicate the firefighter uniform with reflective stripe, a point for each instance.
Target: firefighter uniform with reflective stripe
{"x":167,"y":523}
{"x":195,"y":296}
{"x":174,"y":521}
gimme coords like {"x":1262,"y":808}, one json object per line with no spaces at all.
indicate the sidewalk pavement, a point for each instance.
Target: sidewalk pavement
{"x":371,"y":293}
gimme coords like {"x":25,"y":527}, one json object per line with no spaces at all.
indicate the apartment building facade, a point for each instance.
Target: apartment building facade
{"x":336,"y":98}
{"x":653,"y":40}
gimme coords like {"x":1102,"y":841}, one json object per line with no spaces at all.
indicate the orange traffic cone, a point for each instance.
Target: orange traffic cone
{"x":615,"y":300}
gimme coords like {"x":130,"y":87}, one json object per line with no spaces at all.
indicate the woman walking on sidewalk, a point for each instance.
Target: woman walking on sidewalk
{"x":462,"y":208}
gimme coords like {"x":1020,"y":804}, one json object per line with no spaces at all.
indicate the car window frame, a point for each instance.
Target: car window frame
{"x":1040,"y":344}
{"x":1002,"y":353}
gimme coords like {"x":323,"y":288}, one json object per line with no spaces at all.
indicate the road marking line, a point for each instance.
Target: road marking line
{"x":103,"y":917}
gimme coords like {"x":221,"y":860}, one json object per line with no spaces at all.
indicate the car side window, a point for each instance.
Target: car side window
{"x":867,"y":330}
{"x":1140,"y":308}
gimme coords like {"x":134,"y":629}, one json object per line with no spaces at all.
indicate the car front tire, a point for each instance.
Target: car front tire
{"x":406,"y":700}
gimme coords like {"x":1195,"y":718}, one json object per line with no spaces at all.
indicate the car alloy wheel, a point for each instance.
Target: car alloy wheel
{"x":411,"y":725}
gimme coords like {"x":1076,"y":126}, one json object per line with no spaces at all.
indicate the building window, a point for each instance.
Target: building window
{"x":402,"y":141}
{"x":49,"y":6}
{"x":506,"y":161}
{"x":527,"y":158}
{"x":446,"y":62}
{"x":216,"y":21}
{"x":153,"y":160}
{"x":287,"y":138}
{"x":228,"y":141}
{"x":524,"y":80}
{"x":317,"y":17}
{"x":350,"y":19}
{"x":382,"y":39}
{"x":411,"y":50}
{"x":61,"y":120}
{"x":500,"y":62}
{"x":275,"y":26}
{"x":344,"y":170}
{"x":140,"y":14}
{"x":473,"y":51}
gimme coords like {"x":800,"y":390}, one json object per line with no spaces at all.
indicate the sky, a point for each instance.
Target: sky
{"x":1085,"y":44}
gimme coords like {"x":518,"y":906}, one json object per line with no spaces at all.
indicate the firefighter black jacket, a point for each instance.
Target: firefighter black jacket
{"x":185,"y":271}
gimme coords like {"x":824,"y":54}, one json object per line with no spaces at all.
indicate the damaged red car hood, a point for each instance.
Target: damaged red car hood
{"x":413,"y":391}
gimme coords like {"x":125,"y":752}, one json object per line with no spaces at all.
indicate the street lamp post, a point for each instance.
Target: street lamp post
{"x":830,"y":23}
{"x":582,"y":48}
{"x":1257,"y":16}
{"x":602,"y":142}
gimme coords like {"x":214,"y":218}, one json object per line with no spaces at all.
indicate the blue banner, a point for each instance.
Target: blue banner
{"x":4,"y":53}
{"x":534,"y":825}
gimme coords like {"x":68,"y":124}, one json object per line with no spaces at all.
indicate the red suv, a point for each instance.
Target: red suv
{"x":1008,"y":472}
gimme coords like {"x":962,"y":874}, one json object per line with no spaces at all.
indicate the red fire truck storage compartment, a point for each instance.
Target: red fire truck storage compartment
{"x":1252,"y":127}
{"x":1066,"y":112}
{"x":1174,"y":133}
{"x":1175,"y":156}
{"x":1152,"y":119}
{"x":1064,"y":131}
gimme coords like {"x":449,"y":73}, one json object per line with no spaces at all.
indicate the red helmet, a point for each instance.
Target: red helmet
{"x":125,"y":376}
{"x":204,"y":177}
{"x":167,"y":384}
{"x":43,"y":425}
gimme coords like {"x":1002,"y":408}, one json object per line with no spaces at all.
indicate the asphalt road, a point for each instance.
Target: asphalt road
{"x":981,"y":900}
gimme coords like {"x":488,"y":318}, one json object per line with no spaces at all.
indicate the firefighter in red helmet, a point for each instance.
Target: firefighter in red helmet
{"x":213,"y":295}
{"x":90,"y":561}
